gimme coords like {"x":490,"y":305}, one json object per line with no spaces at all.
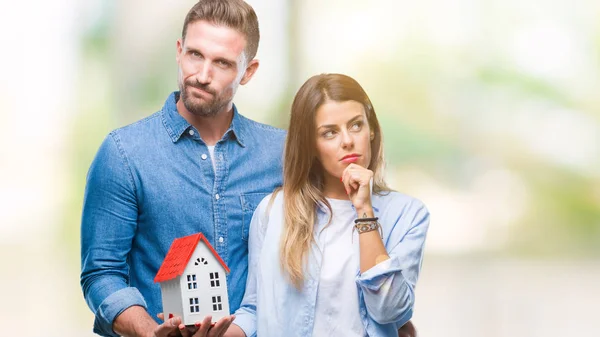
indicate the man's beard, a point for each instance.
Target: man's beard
{"x":200,"y":108}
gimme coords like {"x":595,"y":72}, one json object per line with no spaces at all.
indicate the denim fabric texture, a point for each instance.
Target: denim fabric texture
{"x":153,"y":181}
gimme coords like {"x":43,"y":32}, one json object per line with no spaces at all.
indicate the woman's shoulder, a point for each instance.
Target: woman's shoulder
{"x":397,"y":203}
{"x":398,"y":199}
{"x":403,"y":210}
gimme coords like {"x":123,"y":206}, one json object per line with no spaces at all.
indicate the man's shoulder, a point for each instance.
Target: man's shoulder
{"x":254,"y":126}
{"x":269,"y":139}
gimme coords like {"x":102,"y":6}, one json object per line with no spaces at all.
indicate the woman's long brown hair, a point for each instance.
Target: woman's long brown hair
{"x":303,"y":175}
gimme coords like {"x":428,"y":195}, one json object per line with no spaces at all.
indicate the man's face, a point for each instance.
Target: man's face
{"x":212,"y":64}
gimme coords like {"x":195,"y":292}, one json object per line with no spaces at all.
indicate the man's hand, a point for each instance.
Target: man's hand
{"x":169,"y":328}
{"x":134,"y":322}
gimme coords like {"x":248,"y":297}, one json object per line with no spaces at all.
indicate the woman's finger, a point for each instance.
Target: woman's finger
{"x":222,"y":325}
{"x":185,"y":331}
{"x":204,"y":326}
{"x":345,"y":180}
{"x":356,"y":179}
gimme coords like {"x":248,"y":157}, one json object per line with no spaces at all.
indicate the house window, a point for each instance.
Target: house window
{"x":191,"y":282}
{"x":201,"y":261}
{"x":217,"y":305}
{"x":194,"y":307}
{"x":214,"y":280}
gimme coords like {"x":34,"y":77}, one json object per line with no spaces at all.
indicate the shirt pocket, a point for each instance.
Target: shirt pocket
{"x":249,"y":203}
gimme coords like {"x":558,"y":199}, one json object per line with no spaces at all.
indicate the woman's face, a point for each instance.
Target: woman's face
{"x":343,"y":136}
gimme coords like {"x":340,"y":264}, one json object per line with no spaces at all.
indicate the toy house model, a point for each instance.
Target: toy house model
{"x":192,"y":281}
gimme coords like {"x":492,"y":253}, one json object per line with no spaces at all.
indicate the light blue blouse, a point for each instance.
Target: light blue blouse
{"x":273,"y":307}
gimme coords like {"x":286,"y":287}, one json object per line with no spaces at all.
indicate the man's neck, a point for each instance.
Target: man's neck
{"x":211,"y":129}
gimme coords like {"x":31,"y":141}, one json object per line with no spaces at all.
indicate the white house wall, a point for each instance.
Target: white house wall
{"x":171,"y":297}
{"x":204,"y":292}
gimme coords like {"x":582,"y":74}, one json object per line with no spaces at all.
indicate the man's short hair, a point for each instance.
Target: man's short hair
{"x":235,"y":14}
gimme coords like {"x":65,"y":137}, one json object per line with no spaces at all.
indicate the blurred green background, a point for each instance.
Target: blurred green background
{"x":490,"y":112}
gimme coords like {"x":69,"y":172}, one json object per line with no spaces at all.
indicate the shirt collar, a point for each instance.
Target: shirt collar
{"x":176,"y":125}
{"x":238,"y":127}
{"x":322,"y":209}
{"x":172,"y":120}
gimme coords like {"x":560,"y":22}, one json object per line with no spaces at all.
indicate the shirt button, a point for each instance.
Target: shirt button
{"x":204,"y":156}
{"x":217,"y":196}
{"x":191,"y":132}
{"x":221,"y":239}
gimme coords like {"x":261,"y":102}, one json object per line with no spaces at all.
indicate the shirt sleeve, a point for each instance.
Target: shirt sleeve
{"x":245,"y":316}
{"x":108,"y":224}
{"x":388,"y":287}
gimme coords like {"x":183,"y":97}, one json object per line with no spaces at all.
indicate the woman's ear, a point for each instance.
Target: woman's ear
{"x":372,"y":135}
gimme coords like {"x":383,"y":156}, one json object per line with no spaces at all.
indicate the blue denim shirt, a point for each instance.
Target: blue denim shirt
{"x":272,"y":307}
{"x":153,"y":181}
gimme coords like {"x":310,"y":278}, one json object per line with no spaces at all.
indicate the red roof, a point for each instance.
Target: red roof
{"x":179,"y":255}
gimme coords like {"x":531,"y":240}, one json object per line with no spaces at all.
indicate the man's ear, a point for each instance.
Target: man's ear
{"x":250,"y":70}
{"x":179,"y":49}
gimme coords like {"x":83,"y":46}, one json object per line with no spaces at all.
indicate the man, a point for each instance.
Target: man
{"x":197,"y":165}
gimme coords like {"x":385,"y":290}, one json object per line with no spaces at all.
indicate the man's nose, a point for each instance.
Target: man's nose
{"x":204,"y":74}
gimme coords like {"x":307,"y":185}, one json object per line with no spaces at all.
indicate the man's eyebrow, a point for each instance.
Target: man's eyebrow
{"x":222,"y":59}
{"x":192,"y":49}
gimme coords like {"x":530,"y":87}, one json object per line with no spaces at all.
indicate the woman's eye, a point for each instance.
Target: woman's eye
{"x":356,"y":126}
{"x":327,"y":134}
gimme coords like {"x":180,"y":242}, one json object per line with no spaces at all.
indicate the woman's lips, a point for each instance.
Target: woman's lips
{"x":353,"y":158}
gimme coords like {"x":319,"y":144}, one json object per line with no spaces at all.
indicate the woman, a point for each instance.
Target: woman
{"x":337,"y":253}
